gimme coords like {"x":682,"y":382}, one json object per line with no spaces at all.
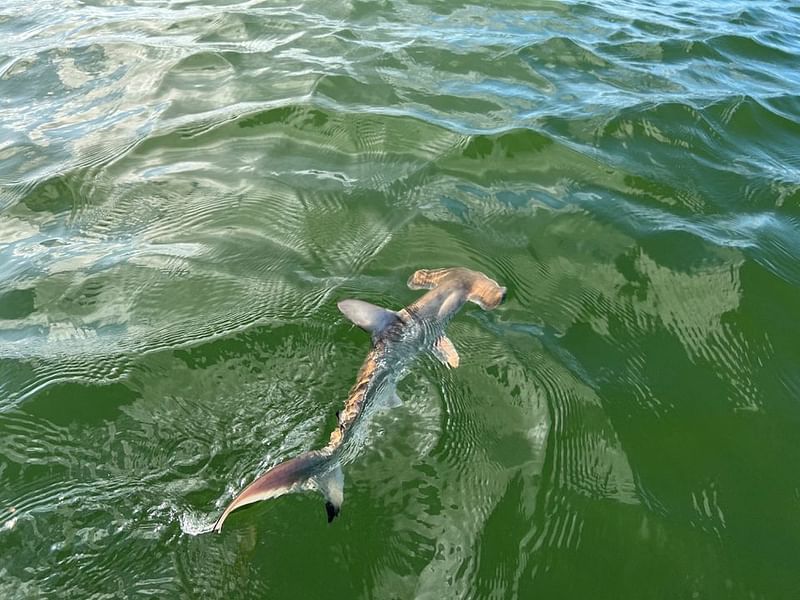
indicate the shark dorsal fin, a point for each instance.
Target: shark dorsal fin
{"x":367,"y":316}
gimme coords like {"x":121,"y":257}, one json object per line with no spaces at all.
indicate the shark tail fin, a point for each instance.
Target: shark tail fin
{"x":307,"y":471}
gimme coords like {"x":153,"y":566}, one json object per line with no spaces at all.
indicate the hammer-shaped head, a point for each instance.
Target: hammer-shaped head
{"x":480,"y":289}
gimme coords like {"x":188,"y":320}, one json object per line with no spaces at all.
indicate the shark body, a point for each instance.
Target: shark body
{"x":397,"y":339}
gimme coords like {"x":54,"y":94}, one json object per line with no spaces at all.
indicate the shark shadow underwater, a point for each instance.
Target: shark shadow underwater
{"x":397,"y":339}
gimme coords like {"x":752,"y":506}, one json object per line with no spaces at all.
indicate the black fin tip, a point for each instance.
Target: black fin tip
{"x":333,"y":511}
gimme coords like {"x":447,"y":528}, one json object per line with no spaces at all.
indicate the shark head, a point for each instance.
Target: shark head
{"x":479,"y":288}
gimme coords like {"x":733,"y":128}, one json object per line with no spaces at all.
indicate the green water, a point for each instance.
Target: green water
{"x":188,"y":188}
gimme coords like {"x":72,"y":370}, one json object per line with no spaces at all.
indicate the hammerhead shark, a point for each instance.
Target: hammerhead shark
{"x":398,"y":337}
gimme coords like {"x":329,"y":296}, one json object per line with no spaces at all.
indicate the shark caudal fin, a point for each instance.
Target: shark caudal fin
{"x":307,"y":471}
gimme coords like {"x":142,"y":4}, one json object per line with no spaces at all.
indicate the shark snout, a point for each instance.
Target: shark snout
{"x":503,"y":294}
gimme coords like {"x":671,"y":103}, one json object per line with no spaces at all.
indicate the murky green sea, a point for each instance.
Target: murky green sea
{"x":188,"y":188}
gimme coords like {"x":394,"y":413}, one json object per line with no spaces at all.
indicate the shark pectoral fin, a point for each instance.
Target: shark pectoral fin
{"x":367,"y":316}
{"x":444,"y":350}
{"x":332,"y":486}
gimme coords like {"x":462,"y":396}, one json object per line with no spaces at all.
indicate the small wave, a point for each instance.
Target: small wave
{"x":750,"y":49}
{"x":186,"y":190}
{"x":193,"y":523}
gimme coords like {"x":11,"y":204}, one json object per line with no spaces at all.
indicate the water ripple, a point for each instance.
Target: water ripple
{"x":187,"y":188}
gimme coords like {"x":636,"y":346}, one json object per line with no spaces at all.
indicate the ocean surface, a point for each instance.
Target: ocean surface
{"x":188,"y":188}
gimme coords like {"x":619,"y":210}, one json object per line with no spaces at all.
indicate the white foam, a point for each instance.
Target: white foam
{"x":195,"y":523}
